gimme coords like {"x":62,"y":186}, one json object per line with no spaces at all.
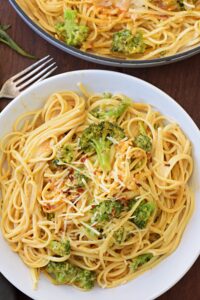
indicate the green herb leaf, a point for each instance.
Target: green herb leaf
{"x":6,"y":39}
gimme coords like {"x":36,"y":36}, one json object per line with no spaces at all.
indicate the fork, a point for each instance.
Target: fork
{"x":34,"y":73}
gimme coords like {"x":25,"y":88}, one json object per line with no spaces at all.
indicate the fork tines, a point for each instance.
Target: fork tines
{"x":35,"y":73}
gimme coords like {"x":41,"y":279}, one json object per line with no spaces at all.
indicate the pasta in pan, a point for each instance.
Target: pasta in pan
{"x":94,"y":188}
{"x":126,"y":29}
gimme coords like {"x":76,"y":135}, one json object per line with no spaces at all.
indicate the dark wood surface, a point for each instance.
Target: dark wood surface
{"x":180,"y":80}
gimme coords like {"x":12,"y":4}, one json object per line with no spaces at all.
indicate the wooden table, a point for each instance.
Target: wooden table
{"x":180,"y":80}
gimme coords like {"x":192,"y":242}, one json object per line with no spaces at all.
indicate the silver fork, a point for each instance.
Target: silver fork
{"x":35,"y":73}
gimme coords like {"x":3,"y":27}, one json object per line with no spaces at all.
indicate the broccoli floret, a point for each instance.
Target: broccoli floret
{"x":106,"y":210}
{"x":95,"y":138}
{"x":66,"y":273}
{"x":125,"y":42}
{"x":143,"y":141}
{"x":120,"y":109}
{"x":79,"y":179}
{"x":181,"y":4}
{"x":86,"y":279}
{"x":50,"y":216}
{"x":111,"y":113}
{"x":120,"y":235}
{"x":60,"y":248}
{"x":139,"y":261}
{"x":142,"y":214}
{"x":98,"y":113}
{"x":131,"y":203}
{"x":70,"y":31}
{"x":64,"y":155}
{"x":57,"y":267}
{"x":107,"y":95}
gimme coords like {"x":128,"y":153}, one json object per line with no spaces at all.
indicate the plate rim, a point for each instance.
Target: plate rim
{"x":114,"y":62}
{"x":30,"y":293}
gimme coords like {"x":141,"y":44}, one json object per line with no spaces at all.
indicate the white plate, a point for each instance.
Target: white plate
{"x":154,"y":282}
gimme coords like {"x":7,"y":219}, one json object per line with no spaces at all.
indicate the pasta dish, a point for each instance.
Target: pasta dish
{"x":124,"y":29}
{"x":94,"y":188}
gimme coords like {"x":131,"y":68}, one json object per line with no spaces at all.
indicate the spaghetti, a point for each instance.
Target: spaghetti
{"x":94,"y":186}
{"x":166,"y":27}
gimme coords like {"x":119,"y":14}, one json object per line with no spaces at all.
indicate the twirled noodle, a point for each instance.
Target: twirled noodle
{"x":167,"y":26}
{"x":32,"y":190}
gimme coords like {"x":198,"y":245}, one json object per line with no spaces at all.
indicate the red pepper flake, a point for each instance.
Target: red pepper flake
{"x":149,"y":155}
{"x":48,"y":206}
{"x":71,"y":171}
{"x":113,"y":212}
{"x":67,"y":192}
{"x":80,"y":190}
{"x":126,"y":203}
{"x":83,"y":159}
{"x":120,"y":177}
{"x":123,"y":199}
{"x":71,"y":177}
{"x":75,"y":198}
{"x":53,"y":206}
